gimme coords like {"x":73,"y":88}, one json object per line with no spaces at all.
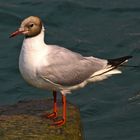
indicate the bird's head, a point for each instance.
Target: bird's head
{"x":30,"y":27}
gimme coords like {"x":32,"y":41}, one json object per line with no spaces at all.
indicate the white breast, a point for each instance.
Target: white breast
{"x":27,"y":66}
{"x":31,"y":57}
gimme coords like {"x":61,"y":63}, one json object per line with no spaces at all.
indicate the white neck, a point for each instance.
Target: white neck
{"x":34,"y":43}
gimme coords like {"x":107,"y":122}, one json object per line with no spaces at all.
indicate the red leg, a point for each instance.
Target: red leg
{"x":63,"y":120}
{"x":53,"y":115}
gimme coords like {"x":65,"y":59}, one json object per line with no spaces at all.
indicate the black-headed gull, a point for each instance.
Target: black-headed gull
{"x":56,"y":68}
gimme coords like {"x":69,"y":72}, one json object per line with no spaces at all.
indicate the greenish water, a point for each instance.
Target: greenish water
{"x":110,"y":109}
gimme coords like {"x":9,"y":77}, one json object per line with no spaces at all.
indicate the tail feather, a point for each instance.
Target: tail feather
{"x":118,"y":61}
{"x":111,"y":69}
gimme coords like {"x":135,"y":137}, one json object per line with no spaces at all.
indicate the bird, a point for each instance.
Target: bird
{"x":56,"y":68}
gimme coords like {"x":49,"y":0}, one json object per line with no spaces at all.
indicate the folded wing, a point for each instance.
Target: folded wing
{"x":67,"y":68}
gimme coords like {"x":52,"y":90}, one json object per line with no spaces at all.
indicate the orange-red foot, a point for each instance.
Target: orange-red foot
{"x":59,"y":123}
{"x":50,"y":116}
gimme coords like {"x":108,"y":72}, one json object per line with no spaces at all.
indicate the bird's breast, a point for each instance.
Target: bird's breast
{"x":29,"y":62}
{"x":27,"y":66}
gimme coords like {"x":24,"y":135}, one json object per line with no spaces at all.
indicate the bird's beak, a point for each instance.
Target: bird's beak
{"x":18,"y":32}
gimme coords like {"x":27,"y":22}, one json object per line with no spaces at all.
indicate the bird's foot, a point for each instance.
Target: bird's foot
{"x":50,"y":116}
{"x":59,"y":122}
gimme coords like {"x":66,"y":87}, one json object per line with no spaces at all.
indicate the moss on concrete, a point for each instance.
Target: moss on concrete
{"x":23,"y":121}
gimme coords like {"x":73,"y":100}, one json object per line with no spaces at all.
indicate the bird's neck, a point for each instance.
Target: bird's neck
{"x":34,"y":43}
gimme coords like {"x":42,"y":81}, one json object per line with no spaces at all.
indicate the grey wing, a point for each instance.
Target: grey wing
{"x":68,"y":68}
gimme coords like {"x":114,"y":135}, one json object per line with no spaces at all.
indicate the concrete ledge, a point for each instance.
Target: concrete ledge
{"x":23,"y":121}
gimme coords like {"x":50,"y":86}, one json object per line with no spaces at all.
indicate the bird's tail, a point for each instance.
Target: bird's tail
{"x":118,"y":61}
{"x":111,"y":68}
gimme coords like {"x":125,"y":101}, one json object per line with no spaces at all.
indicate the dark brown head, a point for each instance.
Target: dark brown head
{"x":30,"y":27}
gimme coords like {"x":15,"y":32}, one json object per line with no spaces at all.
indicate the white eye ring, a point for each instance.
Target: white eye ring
{"x":31,"y":25}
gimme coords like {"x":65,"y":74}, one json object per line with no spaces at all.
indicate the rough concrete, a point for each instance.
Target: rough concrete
{"x":23,"y":121}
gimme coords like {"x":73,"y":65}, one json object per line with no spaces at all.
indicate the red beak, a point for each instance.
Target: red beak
{"x":16,"y":33}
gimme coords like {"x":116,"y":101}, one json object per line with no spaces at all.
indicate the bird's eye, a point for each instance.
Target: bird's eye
{"x":31,"y":25}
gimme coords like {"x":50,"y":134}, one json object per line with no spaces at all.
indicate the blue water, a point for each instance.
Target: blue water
{"x":110,"y":110}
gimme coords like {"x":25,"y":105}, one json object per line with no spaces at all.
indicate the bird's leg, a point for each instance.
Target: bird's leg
{"x":63,"y":120}
{"x":53,"y":115}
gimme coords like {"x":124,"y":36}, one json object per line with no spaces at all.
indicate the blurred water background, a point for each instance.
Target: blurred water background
{"x":110,"y":109}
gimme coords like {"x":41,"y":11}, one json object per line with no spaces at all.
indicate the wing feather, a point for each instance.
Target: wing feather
{"x":68,"y":68}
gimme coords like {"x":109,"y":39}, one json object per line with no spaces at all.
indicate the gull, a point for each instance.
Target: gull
{"x":55,"y":68}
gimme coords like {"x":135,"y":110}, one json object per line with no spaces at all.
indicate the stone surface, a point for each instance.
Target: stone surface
{"x":23,"y":121}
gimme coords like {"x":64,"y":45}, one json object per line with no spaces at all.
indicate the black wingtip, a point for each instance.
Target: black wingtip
{"x":118,"y":61}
